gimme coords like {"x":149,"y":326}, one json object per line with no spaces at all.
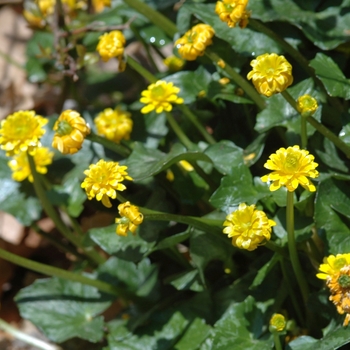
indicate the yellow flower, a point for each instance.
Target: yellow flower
{"x":186,"y":165}
{"x":332,"y":265}
{"x":271,"y":74}
{"x":131,"y":218}
{"x":174,"y":63}
{"x":103,"y":179}
{"x":114,"y":124}
{"x":248,"y":227}
{"x":21,"y":132}
{"x":99,"y":5}
{"x":111,"y":45}
{"x":336,"y":271}
{"x":224,"y":81}
{"x":233,"y":12}
{"x":71,"y":130}
{"x":221,"y":63}
{"x":277,"y":322}
{"x":46,"y":7}
{"x":306,"y":105}
{"x":291,"y":167}
{"x":159,"y":97}
{"x":194,"y":42}
{"x":20,"y":166}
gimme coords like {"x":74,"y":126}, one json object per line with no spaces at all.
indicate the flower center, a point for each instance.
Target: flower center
{"x":64,"y":128}
{"x":158,"y":92}
{"x":344,"y":281}
{"x":124,"y":221}
{"x":292,"y":162}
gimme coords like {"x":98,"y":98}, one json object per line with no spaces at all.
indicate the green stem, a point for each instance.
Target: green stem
{"x":319,"y":127}
{"x":154,"y":16}
{"x":194,"y":120}
{"x":141,"y":70}
{"x":329,"y":135}
{"x":293,"y":249}
{"x":53,"y":214}
{"x":291,"y":293}
{"x":277,"y":341}
{"x":303,"y":132}
{"x":39,"y":344}
{"x":178,"y":131}
{"x":117,"y":148}
{"x":57,"y":272}
{"x":239,"y":80}
{"x":146,"y":47}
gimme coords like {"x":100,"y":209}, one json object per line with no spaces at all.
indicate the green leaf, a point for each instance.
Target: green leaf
{"x":333,"y":340}
{"x":235,"y":189}
{"x":172,"y":240}
{"x":331,"y":75}
{"x":140,"y":278}
{"x":168,"y":330}
{"x":195,"y":334}
{"x":130,"y":247}
{"x":325,"y":29}
{"x":330,"y":156}
{"x":241,"y":327}
{"x":188,"y":280}
{"x":63,"y":309}
{"x":154,"y":161}
{"x":280,"y":113}
{"x":191,"y":83}
{"x":262,"y":273}
{"x":226,"y":156}
{"x":13,"y":199}
{"x":35,"y":70}
{"x":205,"y":247}
{"x":303,"y":226}
{"x":246,"y":42}
{"x":335,"y":231}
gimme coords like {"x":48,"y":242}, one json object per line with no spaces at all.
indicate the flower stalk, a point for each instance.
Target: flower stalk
{"x":239,"y":80}
{"x":57,"y":272}
{"x":52,"y":213}
{"x":319,"y":127}
{"x":293,"y":249}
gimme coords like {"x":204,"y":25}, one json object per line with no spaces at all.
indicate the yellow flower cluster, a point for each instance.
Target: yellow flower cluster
{"x":103,"y":179}
{"x":20,"y":134}
{"x":336,"y":271}
{"x":71,"y":130}
{"x":194,"y":42}
{"x":248,"y":227}
{"x":20,"y":165}
{"x":37,"y":12}
{"x":174,"y":63}
{"x":271,"y":74}
{"x":233,"y":12}
{"x":114,"y":124}
{"x":159,"y":97}
{"x":130,"y":219}
{"x":306,"y":105}
{"x":291,"y":167}
{"x":111,"y":45}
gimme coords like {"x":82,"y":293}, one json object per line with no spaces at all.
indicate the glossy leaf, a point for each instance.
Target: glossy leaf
{"x":241,"y":327}
{"x":246,"y":42}
{"x":154,"y":161}
{"x":335,"y":231}
{"x":331,"y":76}
{"x":235,"y":189}
{"x":63,"y":309}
